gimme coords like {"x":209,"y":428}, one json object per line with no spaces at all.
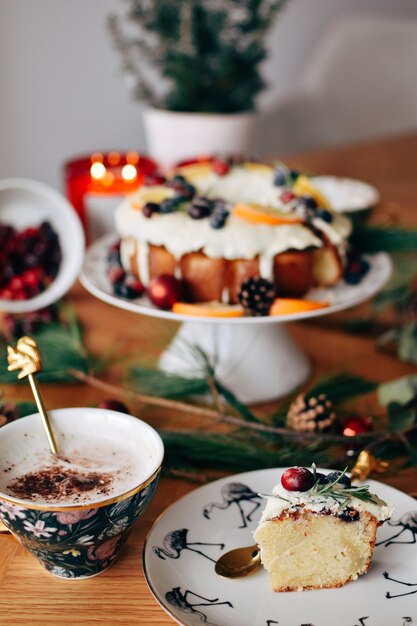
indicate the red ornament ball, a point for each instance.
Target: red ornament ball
{"x":355,"y":425}
{"x":164,"y":291}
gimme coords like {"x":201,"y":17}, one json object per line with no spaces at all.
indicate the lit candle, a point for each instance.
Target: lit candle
{"x":96,"y":185}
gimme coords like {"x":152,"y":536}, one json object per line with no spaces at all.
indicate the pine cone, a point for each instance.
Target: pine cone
{"x":256,"y":296}
{"x":312,"y":414}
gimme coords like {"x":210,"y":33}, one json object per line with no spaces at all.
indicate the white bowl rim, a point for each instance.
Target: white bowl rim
{"x":71,"y":264}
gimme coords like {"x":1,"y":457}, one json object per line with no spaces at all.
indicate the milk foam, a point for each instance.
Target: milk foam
{"x":124,"y":453}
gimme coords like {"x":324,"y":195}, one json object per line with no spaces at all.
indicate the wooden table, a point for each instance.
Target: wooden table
{"x":29,"y":595}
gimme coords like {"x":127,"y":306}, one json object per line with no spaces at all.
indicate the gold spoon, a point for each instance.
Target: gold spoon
{"x":246,"y":560}
{"x":26,"y":357}
{"x":239,"y":562}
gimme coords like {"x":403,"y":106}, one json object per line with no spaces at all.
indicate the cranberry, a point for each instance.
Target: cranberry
{"x":149,"y":209}
{"x":135,"y":285}
{"x":116,"y":274}
{"x":31,"y":278}
{"x":287,"y":196}
{"x":164,"y":291}
{"x":113,"y":405}
{"x":297,"y":479}
{"x":220,"y":167}
{"x":154,"y":179}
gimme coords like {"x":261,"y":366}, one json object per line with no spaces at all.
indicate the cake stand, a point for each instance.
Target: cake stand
{"x":254,"y":357}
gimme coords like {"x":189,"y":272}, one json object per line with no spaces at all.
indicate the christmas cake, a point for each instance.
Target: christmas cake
{"x":318,"y":530}
{"x":214,"y":225}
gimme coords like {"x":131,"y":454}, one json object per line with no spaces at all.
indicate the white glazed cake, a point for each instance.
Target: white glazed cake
{"x":292,"y":245}
{"x":320,"y":537}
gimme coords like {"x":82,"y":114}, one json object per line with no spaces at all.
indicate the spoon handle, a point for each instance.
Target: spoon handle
{"x":42,"y":410}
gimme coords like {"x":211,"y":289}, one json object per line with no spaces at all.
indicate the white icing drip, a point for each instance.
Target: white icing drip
{"x":266,"y":266}
{"x":143,"y":262}
{"x":225,"y":295}
{"x":316,"y":502}
{"x":177,"y":271}
{"x":239,"y":239}
{"x":127,"y":250}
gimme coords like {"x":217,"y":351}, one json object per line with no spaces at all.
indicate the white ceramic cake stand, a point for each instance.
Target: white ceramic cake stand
{"x":254,"y":357}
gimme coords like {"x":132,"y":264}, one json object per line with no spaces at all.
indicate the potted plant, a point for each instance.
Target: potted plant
{"x":195,"y":65}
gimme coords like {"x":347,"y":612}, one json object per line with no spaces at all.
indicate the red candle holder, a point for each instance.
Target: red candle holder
{"x":96,"y":183}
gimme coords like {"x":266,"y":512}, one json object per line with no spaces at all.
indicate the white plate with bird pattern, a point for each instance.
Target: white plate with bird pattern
{"x":184,"y":543}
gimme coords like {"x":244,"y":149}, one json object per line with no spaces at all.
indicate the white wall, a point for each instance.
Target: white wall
{"x":61,"y":93}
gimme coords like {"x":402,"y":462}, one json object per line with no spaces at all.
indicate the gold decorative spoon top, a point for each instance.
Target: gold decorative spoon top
{"x":27,"y":358}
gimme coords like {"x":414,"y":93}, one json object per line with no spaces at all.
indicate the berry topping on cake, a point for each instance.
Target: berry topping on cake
{"x":280,"y":176}
{"x":150,"y":208}
{"x":200,"y":208}
{"x":304,"y":187}
{"x":297,"y":479}
{"x":181,"y":186}
{"x":220,"y":166}
{"x":256,"y":296}
{"x":339,"y":478}
{"x":164,"y":291}
{"x":324,"y":215}
{"x":287,"y":196}
{"x":219,"y":215}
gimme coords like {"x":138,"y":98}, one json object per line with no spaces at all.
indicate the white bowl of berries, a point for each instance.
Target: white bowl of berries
{"x":41,"y":245}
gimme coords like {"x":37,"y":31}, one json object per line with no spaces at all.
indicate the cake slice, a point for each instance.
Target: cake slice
{"x":318,"y":531}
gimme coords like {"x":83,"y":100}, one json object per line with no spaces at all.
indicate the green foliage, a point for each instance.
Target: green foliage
{"x":201,"y":450}
{"x":61,"y":348}
{"x":155,"y":382}
{"x":195,"y":55}
{"x":384,"y":239}
{"x":342,"y":387}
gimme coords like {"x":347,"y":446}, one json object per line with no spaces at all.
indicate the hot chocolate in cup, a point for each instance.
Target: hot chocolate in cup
{"x":74,"y":512}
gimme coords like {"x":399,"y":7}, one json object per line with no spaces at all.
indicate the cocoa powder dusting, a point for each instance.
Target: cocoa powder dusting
{"x":53,"y":483}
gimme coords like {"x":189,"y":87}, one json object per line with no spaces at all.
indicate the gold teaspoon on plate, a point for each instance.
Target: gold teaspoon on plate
{"x":239,"y":562}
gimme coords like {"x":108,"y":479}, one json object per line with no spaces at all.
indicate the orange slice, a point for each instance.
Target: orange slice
{"x":208,"y":309}
{"x":258,"y":168}
{"x":258,"y":214}
{"x":303,"y":185}
{"x":151,"y":194}
{"x":286,"y":306}
{"x":195,"y":171}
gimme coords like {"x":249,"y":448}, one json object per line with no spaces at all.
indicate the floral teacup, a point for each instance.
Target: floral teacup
{"x":78,"y":540}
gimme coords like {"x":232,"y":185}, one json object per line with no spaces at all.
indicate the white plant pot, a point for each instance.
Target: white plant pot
{"x":172,"y":136}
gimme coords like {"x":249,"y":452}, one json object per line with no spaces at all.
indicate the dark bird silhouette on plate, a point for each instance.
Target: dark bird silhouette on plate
{"x":235,"y":493}
{"x":176,"y":541}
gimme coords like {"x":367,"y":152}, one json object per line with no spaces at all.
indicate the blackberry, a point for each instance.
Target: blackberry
{"x":219,"y":215}
{"x":280,"y":176}
{"x":200,"y":208}
{"x":150,"y":208}
{"x":349,"y":515}
{"x":256,"y":296}
{"x":309,"y":201}
{"x":182,"y":187}
{"x":324,"y":215}
{"x":170,"y":204}
{"x":342,"y":479}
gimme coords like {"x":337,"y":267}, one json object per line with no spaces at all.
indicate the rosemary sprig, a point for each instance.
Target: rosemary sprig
{"x":340,"y":493}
